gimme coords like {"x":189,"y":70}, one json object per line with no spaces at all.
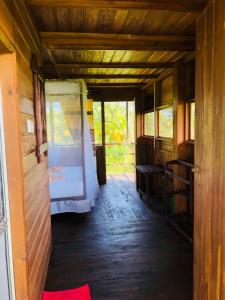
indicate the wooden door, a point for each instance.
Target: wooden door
{"x":209,"y":244}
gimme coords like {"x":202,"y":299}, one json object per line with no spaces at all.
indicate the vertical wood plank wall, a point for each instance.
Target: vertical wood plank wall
{"x":16,"y":23}
{"x":209,"y":261}
{"x":164,"y":149}
{"x":171,"y":91}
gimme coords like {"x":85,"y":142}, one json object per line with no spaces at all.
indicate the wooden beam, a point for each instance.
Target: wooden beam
{"x":113,"y":94}
{"x":115,"y":85}
{"x":5,"y":44}
{"x":102,"y":41}
{"x":173,"y":5}
{"x":52,"y":59}
{"x":83,"y":65}
{"x":112,"y":76}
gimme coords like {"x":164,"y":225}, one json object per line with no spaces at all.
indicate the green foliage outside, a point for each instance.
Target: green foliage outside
{"x":97,"y":122}
{"x":166,"y":123}
{"x":118,"y":134}
{"x":119,"y":159}
{"x":61,"y":134}
{"x":149,"y":121}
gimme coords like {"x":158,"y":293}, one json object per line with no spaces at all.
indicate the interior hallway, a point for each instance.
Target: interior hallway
{"x":121,"y":249}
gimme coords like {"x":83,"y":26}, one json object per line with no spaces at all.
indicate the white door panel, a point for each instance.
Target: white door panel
{"x":4,"y":282}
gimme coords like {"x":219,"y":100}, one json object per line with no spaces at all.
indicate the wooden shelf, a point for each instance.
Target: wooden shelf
{"x":182,"y":222}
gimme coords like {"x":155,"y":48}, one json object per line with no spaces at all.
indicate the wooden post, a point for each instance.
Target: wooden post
{"x":179,"y":130}
{"x":10,"y":103}
{"x":209,"y":229}
{"x":103,"y":162}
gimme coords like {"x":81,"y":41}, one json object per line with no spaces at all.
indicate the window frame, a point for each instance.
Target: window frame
{"x":188,"y":122}
{"x":147,"y":112}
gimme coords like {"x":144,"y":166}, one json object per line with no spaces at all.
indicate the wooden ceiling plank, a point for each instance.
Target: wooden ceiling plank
{"x":100,"y":41}
{"x":172,"y":5}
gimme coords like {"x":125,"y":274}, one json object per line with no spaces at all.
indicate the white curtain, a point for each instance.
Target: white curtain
{"x":72,"y":168}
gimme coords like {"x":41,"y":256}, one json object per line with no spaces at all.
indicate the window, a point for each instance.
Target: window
{"x":166,"y":123}
{"x":149,"y":124}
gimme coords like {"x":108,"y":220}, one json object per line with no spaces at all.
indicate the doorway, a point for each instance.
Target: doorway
{"x":119,"y":137}
{"x":114,"y":130}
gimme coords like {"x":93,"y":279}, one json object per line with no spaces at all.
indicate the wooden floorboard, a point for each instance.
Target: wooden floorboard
{"x":122,"y":249}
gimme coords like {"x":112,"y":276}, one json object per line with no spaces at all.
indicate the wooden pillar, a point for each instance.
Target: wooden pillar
{"x":139,"y":107}
{"x":10,"y":104}
{"x":179,"y":110}
{"x":179,"y":130}
{"x":209,"y":229}
{"x":140,"y":151}
{"x":102,"y":162}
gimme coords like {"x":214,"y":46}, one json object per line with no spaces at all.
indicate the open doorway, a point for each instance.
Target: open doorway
{"x":119,"y":137}
{"x":114,"y":130}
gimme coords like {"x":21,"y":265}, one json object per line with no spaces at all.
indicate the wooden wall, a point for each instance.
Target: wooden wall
{"x":209,"y":261}
{"x":173,"y":90}
{"x":16,"y":23}
{"x":113,"y":94}
{"x":164,"y":149}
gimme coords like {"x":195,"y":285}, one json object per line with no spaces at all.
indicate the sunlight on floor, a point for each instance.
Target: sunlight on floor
{"x":124,"y":177}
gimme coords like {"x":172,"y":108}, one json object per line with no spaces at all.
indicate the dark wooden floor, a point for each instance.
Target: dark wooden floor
{"x":121,"y":249}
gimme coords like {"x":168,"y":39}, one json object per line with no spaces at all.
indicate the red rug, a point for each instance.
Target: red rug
{"x":82,"y":293}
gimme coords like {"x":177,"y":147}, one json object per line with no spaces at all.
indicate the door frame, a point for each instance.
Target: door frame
{"x":9,"y":49}
{"x":103,"y":108}
{"x":7,"y":229}
{"x":13,"y":168}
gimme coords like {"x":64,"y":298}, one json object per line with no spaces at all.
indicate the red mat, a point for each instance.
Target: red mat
{"x":82,"y":293}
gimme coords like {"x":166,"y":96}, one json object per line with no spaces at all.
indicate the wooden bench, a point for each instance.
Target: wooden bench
{"x":146,"y":171}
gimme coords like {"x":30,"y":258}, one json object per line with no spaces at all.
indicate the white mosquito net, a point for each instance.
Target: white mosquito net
{"x":72,"y":167}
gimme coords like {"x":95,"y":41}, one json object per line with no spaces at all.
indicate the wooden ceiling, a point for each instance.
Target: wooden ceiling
{"x":117,"y":43}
